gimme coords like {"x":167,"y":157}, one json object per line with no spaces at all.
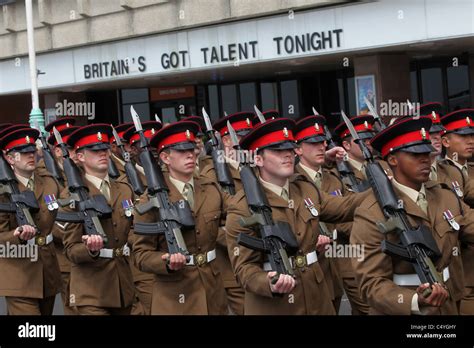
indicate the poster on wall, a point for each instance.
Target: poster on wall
{"x":365,"y":88}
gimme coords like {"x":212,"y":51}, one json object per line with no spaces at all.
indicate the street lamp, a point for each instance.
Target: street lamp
{"x":36,"y":116}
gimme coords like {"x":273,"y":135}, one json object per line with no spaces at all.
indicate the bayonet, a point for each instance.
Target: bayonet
{"x":259,"y":114}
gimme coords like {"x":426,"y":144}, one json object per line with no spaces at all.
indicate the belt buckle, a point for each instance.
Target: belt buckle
{"x":40,"y":240}
{"x":118,"y":252}
{"x":200,"y":259}
{"x":300,"y":261}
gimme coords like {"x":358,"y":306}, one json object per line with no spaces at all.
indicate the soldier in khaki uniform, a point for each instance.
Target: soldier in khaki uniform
{"x":58,"y":228}
{"x":242,"y":125}
{"x":458,"y":141}
{"x":297,"y":201}
{"x":389,"y":284}
{"x":29,"y":285}
{"x":195,"y":287}
{"x":101,"y":281}
{"x":311,"y":140}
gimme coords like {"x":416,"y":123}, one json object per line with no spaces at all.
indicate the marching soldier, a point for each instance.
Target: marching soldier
{"x":458,"y":142}
{"x":58,"y":228}
{"x":116,"y":155}
{"x":29,"y":286}
{"x":389,"y":284}
{"x":311,"y":140}
{"x":101,"y":281}
{"x":301,"y":204}
{"x":242,"y":125}
{"x":181,"y":287}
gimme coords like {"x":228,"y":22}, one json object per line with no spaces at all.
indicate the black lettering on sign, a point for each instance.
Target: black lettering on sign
{"x":230,"y":52}
{"x":112,"y":68}
{"x":308,"y":42}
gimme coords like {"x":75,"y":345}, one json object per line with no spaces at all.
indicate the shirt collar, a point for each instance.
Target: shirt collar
{"x":180,"y":184}
{"x":97,"y":181}
{"x":275,"y":188}
{"x":459,"y":165}
{"x":311,"y":172}
{"x":24,"y":180}
{"x":411,"y":193}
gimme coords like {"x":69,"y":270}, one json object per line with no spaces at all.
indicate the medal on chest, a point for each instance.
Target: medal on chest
{"x":336,"y":193}
{"x":51,"y":202}
{"x":448,"y":216}
{"x":127,"y":206}
{"x":310,"y":205}
{"x":457,"y":189}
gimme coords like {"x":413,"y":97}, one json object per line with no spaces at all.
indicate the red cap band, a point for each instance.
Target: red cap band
{"x":406,"y":138}
{"x":92,"y":139}
{"x":239,"y":125}
{"x":273,"y":137}
{"x":176,"y":138}
{"x":19,"y":142}
{"x":359,"y":128}
{"x":309,"y":132}
{"x":466,"y":122}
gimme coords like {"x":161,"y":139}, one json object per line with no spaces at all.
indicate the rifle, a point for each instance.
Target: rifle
{"x":48,"y":158}
{"x":417,"y":244}
{"x":130,"y":169}
{"x":343,"y":167}
{"x":173,"y":216}
{"x":373,"y":112}
{"x":22,"y":204}
{"x":276,"y":238}
{"x":224,"y":178}
{"x":114,"y":173}
{"x":90,"y":209}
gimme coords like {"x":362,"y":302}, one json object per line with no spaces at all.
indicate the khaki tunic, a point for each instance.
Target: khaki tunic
{"x":375,"y":272}
{"x":20,"y":277}
{"x":194,"y":289}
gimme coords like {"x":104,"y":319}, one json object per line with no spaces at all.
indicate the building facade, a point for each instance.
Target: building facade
{"x":173,"y":57}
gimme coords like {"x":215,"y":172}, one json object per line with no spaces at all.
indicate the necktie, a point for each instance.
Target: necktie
{"x":317,"y":180}
{"x":422,"y":202}
{"x":31,"y":184}
{"x":188,"y":194}
{"x":284,"y":194}
{"x":104,"y":189}
{"x":465,"y":171}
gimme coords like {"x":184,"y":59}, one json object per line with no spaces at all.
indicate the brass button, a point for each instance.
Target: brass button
{"x":118,"y":252}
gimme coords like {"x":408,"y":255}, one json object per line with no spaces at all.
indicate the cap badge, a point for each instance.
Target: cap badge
{"x":468,"y":121}
{"x":153,"y":131}
{"x":366,"y":125}
{"x":67,"y":125}
{"x":99,"y":136}
{"x":317,"y":127}
{"x":27,"y":139}
{"x":188,"y":134}
{"x":434,"y":115}
{"x":423,"y":133}
{"x":285,"y":132}
{"x":248,"y":122}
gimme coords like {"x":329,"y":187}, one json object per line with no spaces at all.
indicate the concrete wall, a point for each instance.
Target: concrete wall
{"x":61,"y":24}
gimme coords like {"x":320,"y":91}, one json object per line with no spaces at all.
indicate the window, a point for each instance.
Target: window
{"x":248,"y":96}
{"x":432,"y":81}
{"x":139,"y":99}
{"x":269,"y":92}
{"x":229,"y":99}
{"x":458,"y":87}
{"x":290,"y":99}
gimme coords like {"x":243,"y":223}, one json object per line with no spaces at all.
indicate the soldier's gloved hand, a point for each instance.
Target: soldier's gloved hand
{"x":323,"y":242}
{"x":93,"y":242}
{"x":175,"y":262}
{"x":25,"y":232}
{"x":284,"y":285}
{"x":438,"y":296}
{"x":337,"y":153}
